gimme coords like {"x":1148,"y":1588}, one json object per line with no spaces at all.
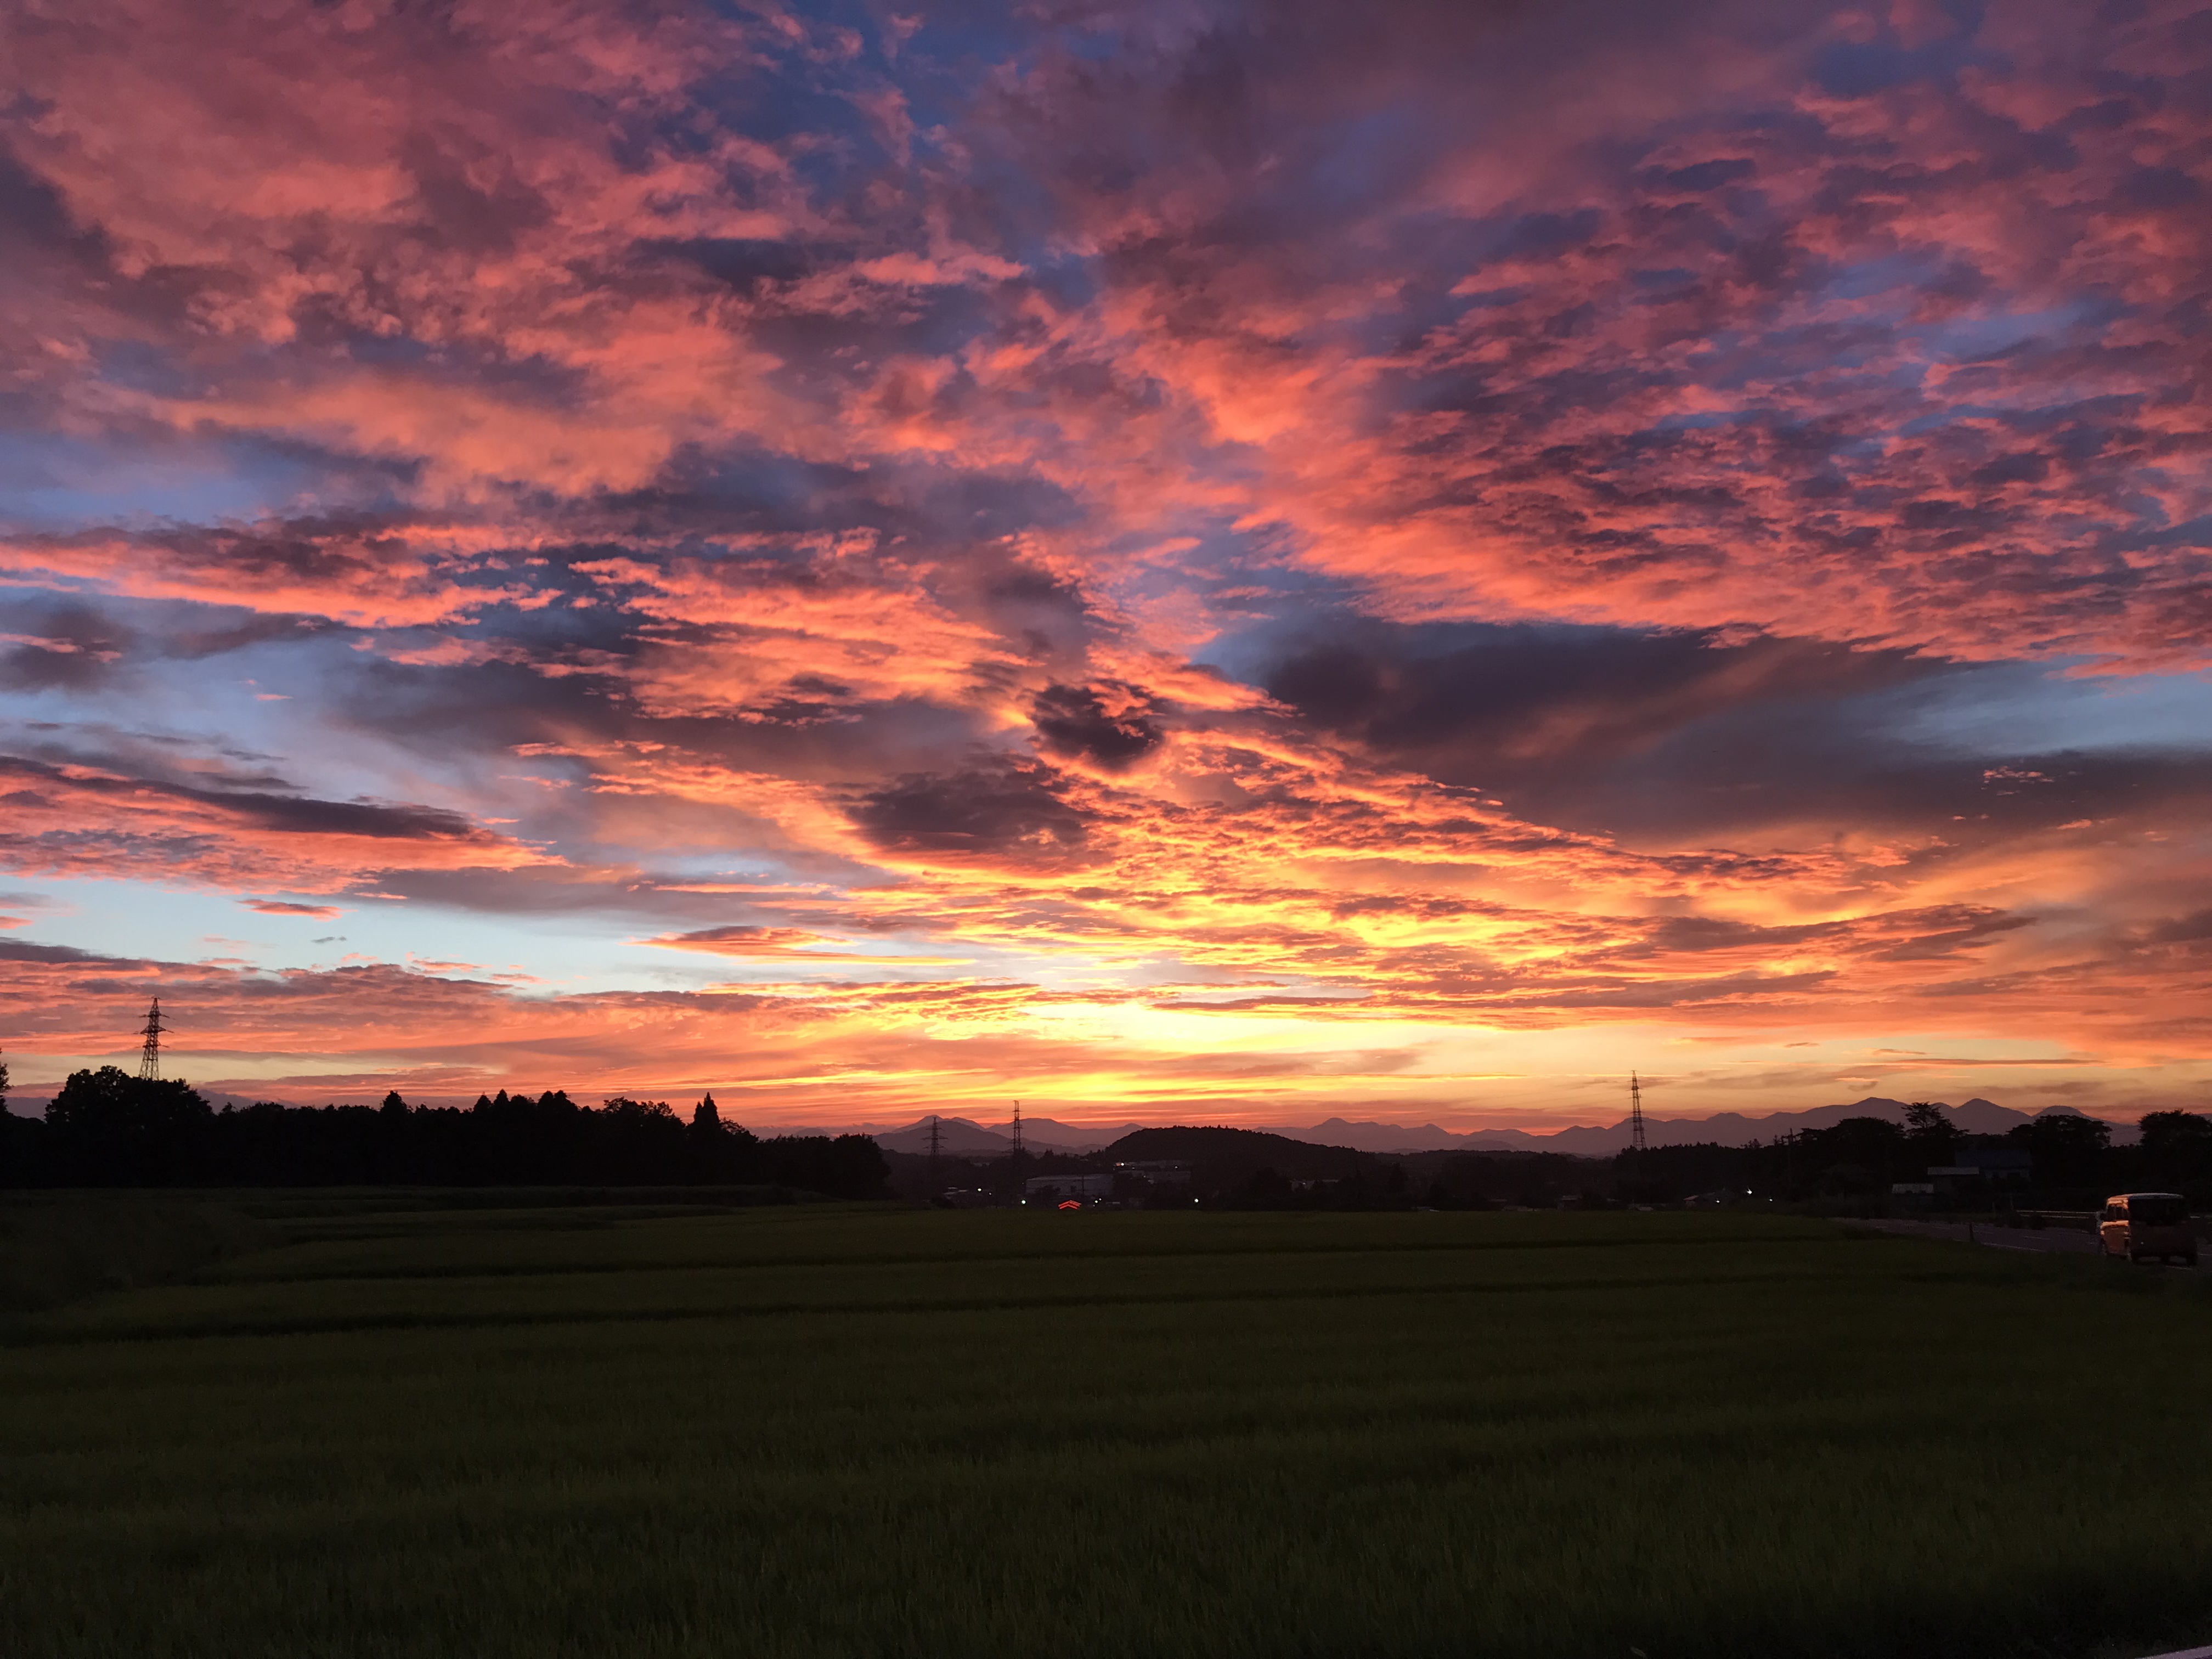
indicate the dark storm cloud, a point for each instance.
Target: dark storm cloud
{"x":562,"y":703}
{"x":1007,"y":812}
{"x":16,"y":951}
{"x":1929,"y":934}
{"x":2181,"y":930}
{"x":1482,"y":703}
{"x":304,"y":815}
{"x":69,"y":648}
{"x":1078,"y":720}
{"x":250,"y":810}
{"x":193,"y":643}
{"x":1680,"y":734}
{"x":76,"y":647}
{"x":1805,"y":763}
{"x":363,"y":569}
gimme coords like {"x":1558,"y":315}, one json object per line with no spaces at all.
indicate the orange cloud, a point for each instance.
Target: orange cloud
{"x":780,"y":944}
{"x":1479,"y":533}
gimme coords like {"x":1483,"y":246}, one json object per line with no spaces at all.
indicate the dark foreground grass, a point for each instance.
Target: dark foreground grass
{"x":57,"y":1248}
{"x":809,"y":1431}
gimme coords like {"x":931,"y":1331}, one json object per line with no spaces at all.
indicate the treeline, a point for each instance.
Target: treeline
{"x":2060,"y":1159}
{"x":107,"y":1128}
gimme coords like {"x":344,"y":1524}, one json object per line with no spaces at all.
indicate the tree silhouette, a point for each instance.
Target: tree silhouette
{"x":126,"y":1130}
{"x":2177,"y":1146}
{"x":2069,"y":1150}
{"x":1931,"y":1136}
{"x":21,"y":1141}
{"x":106,"y":1127}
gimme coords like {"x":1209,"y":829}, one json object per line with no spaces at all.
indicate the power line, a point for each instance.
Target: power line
{"x":149,"y":1056}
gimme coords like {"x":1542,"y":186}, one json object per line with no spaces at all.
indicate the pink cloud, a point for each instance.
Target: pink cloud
{"x":284,"y":907}
{"x":878,"y":524}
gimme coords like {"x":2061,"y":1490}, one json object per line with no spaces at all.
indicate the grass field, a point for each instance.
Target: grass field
{"x":821,"y":1431}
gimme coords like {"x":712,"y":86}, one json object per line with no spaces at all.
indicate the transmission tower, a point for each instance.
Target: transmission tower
{"x":1635,"y":1114}
{"x":149,"y":1056}
{"x":936,"y":1149}
{"x":1017,"y":1153}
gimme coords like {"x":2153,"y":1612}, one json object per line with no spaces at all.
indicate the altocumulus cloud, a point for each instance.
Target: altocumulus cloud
{"x":1148,"y":539}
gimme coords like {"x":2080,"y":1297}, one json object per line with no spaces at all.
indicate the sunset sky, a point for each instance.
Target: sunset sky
{"x":1177,"y":563}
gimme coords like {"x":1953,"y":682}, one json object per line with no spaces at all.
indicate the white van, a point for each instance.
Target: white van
{"x":2144,"y":1226}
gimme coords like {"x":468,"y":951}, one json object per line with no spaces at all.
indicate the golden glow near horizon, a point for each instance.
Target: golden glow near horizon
{"x":865,"y":569}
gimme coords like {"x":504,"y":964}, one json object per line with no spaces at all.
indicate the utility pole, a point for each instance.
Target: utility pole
{"x":1635,"y":1114}
{"x":149,"y":1055}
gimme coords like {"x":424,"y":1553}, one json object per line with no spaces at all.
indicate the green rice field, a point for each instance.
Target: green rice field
{"x":817,"y":1431}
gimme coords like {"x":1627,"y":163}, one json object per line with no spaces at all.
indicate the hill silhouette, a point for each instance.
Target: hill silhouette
{"x":1224,"y":1155}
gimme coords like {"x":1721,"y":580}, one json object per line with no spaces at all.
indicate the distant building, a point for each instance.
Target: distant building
{"x":2002,"y":1162}
{"x":1997,"y":1164}
{"x":1158,"y":1172}
{"x":1069,"y":1186}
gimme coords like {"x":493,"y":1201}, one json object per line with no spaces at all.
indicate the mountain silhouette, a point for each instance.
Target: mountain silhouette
{"x":1975,"y":1116}
{"x":963,"y":1137}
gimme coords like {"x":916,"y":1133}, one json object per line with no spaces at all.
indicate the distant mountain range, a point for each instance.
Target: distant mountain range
{"x":1975,"y":1116}
{"x":963,"y":1137}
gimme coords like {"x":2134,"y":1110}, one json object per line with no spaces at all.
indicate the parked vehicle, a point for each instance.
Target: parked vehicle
{"x":2144,"y":1226}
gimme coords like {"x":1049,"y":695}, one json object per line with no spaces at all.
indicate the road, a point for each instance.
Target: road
{"x":2051,"y":1241}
